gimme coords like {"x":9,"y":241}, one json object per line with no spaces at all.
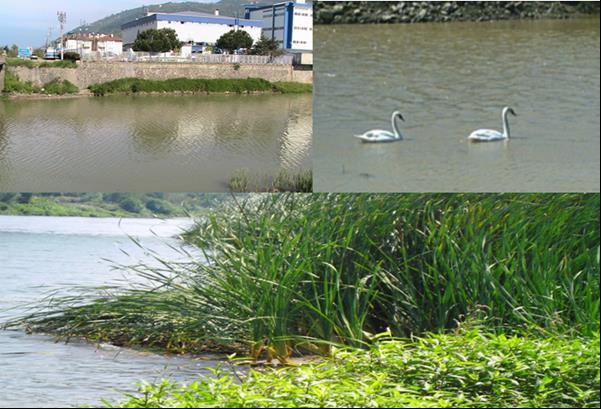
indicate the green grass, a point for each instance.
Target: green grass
{"x":299,"y":272}
{"x":471,"y":368}
{"x":18,"y":62}
{"x":60,"y":87}
{"x":284,"y":181}
{"x":12,"y":83}
{"x":293,"y":87}
{"x":239,"y":86}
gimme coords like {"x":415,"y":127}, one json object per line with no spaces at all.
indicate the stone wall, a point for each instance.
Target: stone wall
{"x":88,"y":73}
{"x":349,"y":12}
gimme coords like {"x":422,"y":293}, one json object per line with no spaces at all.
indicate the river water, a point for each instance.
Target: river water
{"x":150,"y":143}
{"x":450,"y":79}
{"x":40,"y":254}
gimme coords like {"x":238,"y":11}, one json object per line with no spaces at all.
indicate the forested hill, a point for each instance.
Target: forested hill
{"x":113,"y":23}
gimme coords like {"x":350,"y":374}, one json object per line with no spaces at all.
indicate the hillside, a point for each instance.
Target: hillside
{"x":109,"y":204}
{"x":113,"y":23}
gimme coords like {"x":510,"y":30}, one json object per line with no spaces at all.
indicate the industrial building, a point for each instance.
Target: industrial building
{"x":290,"y":23}
{"x":191,"y":27}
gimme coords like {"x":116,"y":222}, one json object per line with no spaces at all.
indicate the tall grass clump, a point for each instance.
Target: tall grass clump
{"x":60,"y":87}
{"x":284,"y":181}
{"x":286,"y":272}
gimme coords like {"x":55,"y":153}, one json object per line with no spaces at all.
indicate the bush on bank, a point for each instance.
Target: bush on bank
{"x":12,"y":83}
{"x":470,"y":368}
{"x":239,"y":86}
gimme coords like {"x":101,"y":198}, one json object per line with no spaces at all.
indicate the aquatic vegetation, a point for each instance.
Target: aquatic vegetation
{"x":242,"y":181}
{"x":284,"y":274}
{"x":239,"y":86}
{"x":470,"y":368}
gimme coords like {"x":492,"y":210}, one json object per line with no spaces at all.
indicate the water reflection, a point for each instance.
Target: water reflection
{"x":163,"y":143}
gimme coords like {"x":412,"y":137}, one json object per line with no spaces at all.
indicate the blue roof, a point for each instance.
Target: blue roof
{"x":193,"y":18}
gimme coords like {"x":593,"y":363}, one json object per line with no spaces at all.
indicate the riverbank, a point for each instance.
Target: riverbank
{"x":351,"y":12}
{"x":470,"y":368}
{"x":197,"y":86}
{"x":16,"y":89}
{"x":108,"y":204}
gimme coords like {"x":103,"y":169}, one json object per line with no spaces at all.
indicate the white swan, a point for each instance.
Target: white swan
{"x":379,"y":135}
{"x":488,"y":135}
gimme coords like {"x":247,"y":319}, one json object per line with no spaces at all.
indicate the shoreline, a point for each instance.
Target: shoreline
{"x":89,"y":94}
{"x":408,"y":12}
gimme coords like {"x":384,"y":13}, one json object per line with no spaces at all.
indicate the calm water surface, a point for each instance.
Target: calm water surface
{"x":150,"y":143}
{"x":39,"y":254}
{"x":449,"y":79}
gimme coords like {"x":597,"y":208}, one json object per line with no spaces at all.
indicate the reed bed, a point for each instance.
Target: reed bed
{"x":297,"y":273}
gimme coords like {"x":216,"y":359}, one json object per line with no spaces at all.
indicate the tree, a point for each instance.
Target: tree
{"x":14,"y":51}
{"x":232,"y":40}
{"x":157,"y":41}
{"x":267,"y":46}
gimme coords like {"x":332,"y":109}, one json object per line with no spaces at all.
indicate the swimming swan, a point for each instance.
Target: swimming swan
{"x":488,"y":135}
{"x":378,"y":135}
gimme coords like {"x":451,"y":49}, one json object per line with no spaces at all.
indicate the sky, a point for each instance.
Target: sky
{"x":26,"y":22}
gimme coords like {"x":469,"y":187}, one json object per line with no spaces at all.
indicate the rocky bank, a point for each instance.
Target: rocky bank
{"x":349,"y":12}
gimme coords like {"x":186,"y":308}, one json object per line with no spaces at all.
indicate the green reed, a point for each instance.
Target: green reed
{"x":307,"y":271}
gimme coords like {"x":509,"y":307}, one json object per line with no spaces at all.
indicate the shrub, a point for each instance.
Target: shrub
{"x":160,"y":206}
{"x":71,"y":56}
{"x":131,"y":204}
{"x":60,"y":87}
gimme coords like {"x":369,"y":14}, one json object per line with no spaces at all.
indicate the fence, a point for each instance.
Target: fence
{"x":195,"y":58}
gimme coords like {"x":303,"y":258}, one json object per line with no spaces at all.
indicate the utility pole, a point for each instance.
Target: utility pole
{"x":62,"y":19}
{"x":48,"y":37}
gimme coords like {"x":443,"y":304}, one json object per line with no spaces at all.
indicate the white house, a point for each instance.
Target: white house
{"x":191,"y":27}
{"x":290,"y":23}
{"x":85,"y":44}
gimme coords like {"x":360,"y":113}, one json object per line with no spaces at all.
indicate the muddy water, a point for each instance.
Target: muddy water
{"x":450,"y":79}
{"x":150,"y":143}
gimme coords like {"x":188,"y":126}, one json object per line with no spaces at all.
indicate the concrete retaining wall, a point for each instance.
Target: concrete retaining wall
{"x":88,"y":73}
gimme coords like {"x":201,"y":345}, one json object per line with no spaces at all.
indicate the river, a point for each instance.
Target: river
{"x":449,"y":79}
{"x":150,"y":143}
{"x":41,"y":254}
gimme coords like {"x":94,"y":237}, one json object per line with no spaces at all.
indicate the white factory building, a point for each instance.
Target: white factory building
{"x":290,"y":23}
{"x":191,"y":27}
{"x":85,"y":44}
